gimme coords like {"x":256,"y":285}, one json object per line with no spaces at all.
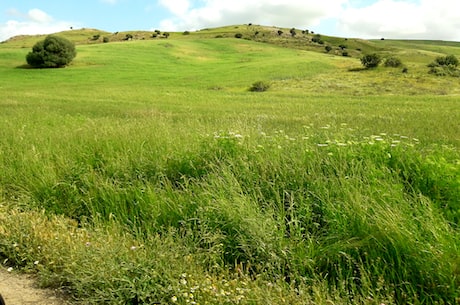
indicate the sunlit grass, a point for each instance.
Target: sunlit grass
{"x":148,"y":172}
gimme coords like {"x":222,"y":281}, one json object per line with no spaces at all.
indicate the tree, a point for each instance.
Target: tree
{"x":280,"y":32}
{"x":328,"y":48}
{"x":293,"y":32}
{"x":371,"y":60}
{"x":53,"y":52}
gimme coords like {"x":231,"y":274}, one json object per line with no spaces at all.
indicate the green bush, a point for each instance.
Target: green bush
{"x":371,"y":60}
{"x":238,"y":35}
{"x":317,"y":39}
{"x":259,"y":86}
{"x":449,"y":60}
{"x":106,"y":39}
{"x":445,"y":66}
{"x":53,"y":52}
{"x":393,"y":62}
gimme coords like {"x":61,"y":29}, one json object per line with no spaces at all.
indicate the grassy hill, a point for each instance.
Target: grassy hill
{"x":147,"y":172}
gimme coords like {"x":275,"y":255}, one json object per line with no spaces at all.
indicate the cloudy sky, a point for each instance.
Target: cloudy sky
{"x":411,"y":19}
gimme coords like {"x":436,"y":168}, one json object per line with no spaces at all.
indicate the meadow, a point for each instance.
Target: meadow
{"x":146,"y":172}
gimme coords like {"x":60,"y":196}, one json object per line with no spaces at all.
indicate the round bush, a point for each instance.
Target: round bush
{"x":371,"y":60}
{"x":259,"y":86}
{"x":53,"y":52}
{"x":393,"y":62}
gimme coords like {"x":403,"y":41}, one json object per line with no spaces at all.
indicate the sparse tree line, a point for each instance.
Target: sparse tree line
{"x":129,"y":36}
{"x":441,"y":66}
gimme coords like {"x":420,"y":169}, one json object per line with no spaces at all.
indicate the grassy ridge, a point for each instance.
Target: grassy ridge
{"x":166,"y":179}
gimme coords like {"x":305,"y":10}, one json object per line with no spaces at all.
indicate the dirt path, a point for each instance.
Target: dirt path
{"x":19,"y":289}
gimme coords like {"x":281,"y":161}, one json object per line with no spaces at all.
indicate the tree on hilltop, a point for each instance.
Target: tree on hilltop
{"x":53,"y":52}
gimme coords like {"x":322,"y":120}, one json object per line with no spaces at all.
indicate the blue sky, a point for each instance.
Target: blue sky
{"x":411,"y":19}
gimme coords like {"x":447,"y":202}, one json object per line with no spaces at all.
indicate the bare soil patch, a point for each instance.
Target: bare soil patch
{"x":19,"y":289}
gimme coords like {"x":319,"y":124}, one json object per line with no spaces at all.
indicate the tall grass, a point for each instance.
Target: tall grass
{"x":158,"y":186}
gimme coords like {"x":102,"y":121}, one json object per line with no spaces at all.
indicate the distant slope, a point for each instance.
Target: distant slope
{"x":285,"y":37}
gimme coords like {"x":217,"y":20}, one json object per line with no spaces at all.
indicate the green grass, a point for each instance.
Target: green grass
{"x":148,"y":172}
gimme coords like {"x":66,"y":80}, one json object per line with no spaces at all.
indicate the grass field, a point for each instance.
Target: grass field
{"x":147,"y":172}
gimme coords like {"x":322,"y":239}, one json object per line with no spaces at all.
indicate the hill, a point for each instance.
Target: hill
{"x":290,"y":38}
{"x":147,"y":172}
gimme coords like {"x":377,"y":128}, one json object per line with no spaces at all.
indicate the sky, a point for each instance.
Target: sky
{"x":391,"y":19}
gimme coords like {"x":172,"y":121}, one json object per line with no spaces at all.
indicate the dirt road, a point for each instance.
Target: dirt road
{"x":19,"y":289}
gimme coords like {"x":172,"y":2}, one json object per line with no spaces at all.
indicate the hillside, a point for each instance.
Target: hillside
{"x":147,"y":172}
{"x":302,"y":39}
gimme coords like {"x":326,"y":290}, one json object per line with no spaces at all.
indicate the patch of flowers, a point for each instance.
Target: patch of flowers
{"x":211,"y":290}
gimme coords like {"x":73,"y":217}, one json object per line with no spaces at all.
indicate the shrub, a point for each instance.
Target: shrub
{"x":449,"y":60}
{"x":371,"y":60}
{"x":105,"y":39}
{"x":53,"y":52}
{"x":345,"y":53}
{"x":445,"y":66}
{"x":96,"y":37}
{"x":317,"y":39}
{"x":393,"y":62}
{"x":186,"y":33}
{"x":259,"y":86}
{"x":293,"y":32}
{"x":128,"y":37}
{"x":280,"y":32}
{"x":238,"y":35}
{"x":328,"y":48}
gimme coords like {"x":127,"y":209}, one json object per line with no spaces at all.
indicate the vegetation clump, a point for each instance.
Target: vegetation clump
{"x":392,"y":62}
{"x":317,"y":39}
{"x":445,"y":66}
{"x":53,"y":52}
{"x":259,"y":86}
{"x":370,"y":61}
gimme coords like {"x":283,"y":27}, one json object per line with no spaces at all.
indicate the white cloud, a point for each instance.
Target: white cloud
{"x":288,"y":13}
{"x":39,"y":16}
{"x":35,"y":21}
{"x":177,"y":7}
{"x":424,"y":19}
